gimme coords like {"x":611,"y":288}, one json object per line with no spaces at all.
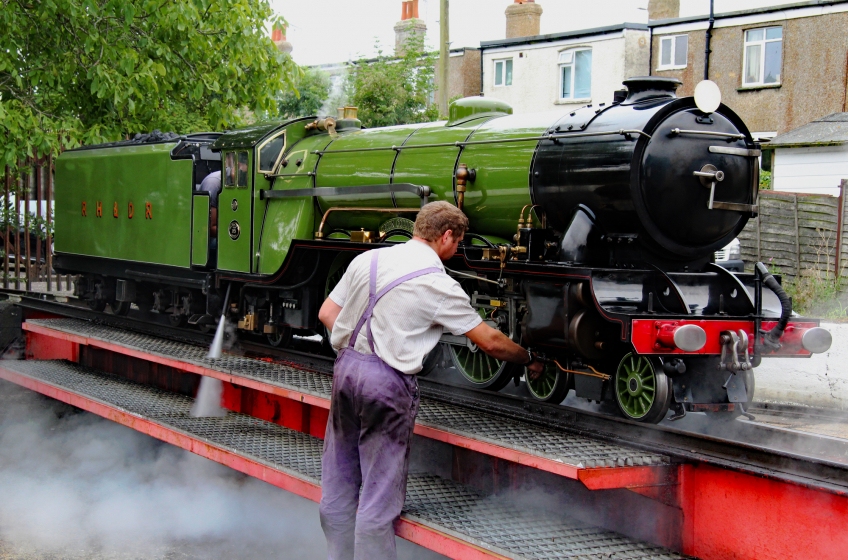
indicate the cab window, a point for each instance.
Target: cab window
{"x":270,"y":153}
{"x":242,"y":169}
{"x":230,"y":170}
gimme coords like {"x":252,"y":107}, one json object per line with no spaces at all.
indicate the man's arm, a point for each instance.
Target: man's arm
{"x":496,"y":344}
{"x":329,"y":312}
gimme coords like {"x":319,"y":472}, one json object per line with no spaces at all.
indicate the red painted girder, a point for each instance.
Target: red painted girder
{"x":453,"y":547}
{"x":177,"y":364}
{"x":594,"y":478}
{"x":733,"y":515}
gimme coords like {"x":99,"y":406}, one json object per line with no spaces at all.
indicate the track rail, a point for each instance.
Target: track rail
{"x":821,"y":463}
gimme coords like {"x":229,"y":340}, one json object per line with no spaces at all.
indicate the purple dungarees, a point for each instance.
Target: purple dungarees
{"x":372,"y":415}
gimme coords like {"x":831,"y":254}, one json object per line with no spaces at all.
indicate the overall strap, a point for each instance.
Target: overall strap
{"x":374,"y":297}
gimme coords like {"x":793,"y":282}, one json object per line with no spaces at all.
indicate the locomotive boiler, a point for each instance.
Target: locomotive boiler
{"x":591,"y":237}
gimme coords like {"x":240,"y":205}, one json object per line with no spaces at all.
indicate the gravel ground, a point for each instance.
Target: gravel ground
{"x":75,"y":486}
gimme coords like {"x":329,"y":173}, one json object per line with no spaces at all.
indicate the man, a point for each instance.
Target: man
{"x":212,"y":184}
{"x":387,"y":312}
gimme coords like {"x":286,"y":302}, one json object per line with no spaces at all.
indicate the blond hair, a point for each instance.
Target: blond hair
{"x":436,"y":218}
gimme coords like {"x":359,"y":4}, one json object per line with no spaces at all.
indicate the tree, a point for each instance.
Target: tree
{"x":313,"y":89}
{"x":395,"y":90}
{"x":86,"y":71}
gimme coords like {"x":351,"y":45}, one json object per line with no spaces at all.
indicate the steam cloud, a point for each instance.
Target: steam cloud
{"x":77,"y":486}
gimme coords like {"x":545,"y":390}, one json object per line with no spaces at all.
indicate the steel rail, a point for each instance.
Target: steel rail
{"x":819,"y":472}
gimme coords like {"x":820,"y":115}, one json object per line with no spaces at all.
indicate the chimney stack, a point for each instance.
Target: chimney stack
{"x":278,"y":36}
{"x":663,"y":9}
{"x":409,"y":26}
{"x":523,"y":19}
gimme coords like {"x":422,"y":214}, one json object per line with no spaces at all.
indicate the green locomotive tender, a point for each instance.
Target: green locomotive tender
{"x":592,"y":234}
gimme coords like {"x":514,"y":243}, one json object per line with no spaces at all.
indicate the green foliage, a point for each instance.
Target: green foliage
{"x":765,"y":180}
{"x":313,"y":89}
{"x":83,"y":71}
{"x":395,"y":90}
{"x":817,"y":294}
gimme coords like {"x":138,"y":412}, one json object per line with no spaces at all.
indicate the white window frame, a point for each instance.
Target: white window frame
{"x":762,"y":44}
{"x":672,"y":40}
{"x":560,"y":65}
{"x":503,"y":63}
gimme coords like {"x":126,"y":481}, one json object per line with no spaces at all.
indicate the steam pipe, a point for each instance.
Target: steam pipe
{"x":709,"y":36}
{"x":772,"y":338}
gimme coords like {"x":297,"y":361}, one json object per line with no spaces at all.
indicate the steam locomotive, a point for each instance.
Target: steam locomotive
{"x":591,"y":237}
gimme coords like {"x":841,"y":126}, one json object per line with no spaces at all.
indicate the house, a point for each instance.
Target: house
{"x":812,"y":158}
{"x":463,"y":69}
{"x":564,"y":70}
{"x":778,"y":67}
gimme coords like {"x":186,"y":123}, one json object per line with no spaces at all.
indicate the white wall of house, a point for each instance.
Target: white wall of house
{"x":816,"y":170}
{"x":536,"y":70}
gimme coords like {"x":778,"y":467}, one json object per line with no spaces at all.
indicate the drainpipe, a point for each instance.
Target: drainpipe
{"x":481,"y":71}
{"x":707,"y":50}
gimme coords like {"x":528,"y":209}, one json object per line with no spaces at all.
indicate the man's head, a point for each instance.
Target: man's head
{"x":442,"y":225}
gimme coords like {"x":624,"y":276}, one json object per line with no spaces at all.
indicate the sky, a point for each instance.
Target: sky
{"x":326,"y":31}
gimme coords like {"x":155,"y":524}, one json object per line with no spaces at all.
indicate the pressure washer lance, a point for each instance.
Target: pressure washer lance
{"x":208,"y":401}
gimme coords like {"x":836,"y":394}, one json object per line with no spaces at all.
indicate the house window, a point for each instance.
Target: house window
{"x":763,"y":54}
{"x":575,"y":74}
{"x":503,"y":72}
{"x":673,"y":51}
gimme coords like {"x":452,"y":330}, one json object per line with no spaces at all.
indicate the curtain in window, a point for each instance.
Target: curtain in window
{"x":508,"y":72}
{"x":752,"y":64}
{"x":583,"y":74}
{"x":566,"y":82}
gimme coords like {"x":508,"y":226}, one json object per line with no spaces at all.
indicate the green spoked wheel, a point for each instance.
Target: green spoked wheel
{"x":642,"y":391}
{"x":550,"y":387}
{"x":481,"y":369}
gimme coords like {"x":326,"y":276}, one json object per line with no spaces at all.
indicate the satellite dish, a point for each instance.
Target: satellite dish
{"x":707,"y":96}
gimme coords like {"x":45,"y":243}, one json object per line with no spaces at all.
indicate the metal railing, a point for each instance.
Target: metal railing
{"x":27,"y":230}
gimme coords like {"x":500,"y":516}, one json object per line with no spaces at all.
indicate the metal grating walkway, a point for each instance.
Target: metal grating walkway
{"x":559,"y":446}
{"x":436,"y":503}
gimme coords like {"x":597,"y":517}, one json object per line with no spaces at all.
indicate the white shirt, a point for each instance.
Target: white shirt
{"x":409,"y":320}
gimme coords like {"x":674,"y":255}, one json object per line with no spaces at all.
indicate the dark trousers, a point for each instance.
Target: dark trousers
{"x":372,"y":416}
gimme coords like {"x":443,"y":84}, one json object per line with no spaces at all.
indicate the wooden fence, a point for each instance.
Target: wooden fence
{"x":798,"y":234}
{"x":26,"y":233}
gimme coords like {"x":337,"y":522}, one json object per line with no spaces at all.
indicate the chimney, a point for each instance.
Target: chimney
{"x":523,"y":19}
{"x":663,"y":9}
{"x":409,"y":26}
{"x":278,"y":36}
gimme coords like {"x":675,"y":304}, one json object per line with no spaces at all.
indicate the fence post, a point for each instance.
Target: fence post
{"x":39,"y":185}
{"x":49,"y":218}
{"x":840,"y":216}
{"x":18,"y":185}
{"x":27,"y":260}
{"x":7,"y":212}
{"x":797,"y":242}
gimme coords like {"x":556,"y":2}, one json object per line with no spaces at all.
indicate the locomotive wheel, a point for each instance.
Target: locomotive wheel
{"x":281,"y":338}
{"x":481,"y":369}
{"x":550,"y":387}
{"x":432,"y":361}
{"x":119,"y":307}
{"x":642,"y":390}
{"x":96,"y":304}
{"x":176,"y":320}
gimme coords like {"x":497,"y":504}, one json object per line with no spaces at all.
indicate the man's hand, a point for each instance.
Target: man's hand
{"x":535,"y":370}
{"x":498,"y":345}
